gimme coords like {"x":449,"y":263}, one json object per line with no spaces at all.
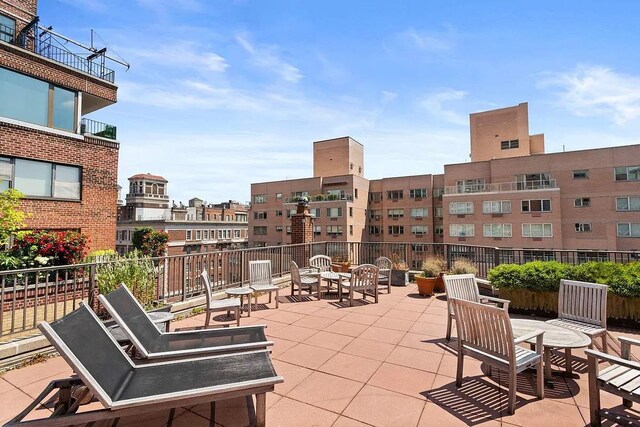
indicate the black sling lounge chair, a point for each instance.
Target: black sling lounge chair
{"x":126,"y":389}
{"x":151,"y":344}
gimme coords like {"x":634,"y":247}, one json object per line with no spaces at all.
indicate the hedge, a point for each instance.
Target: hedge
{"x":623,"y":279}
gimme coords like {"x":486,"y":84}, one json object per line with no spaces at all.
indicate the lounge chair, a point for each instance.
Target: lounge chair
{"x":150,"y":343}
{"x":126,"y":389}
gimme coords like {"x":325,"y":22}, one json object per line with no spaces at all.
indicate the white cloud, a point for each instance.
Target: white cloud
{"x":428,"y":41}
{"x":597,"y":91}
{"x":388,"y":96}
{"x":178,"y":53}
{"x":434,"y":105}
{"x":265,"y":57}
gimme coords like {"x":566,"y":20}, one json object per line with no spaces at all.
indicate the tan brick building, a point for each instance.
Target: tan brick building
{"x":510,"y":195}
{"x":65,"y":163}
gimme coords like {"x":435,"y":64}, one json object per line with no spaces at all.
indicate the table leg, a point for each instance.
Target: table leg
{"x":547,"y":363}
{"x":567,"y":361}
{"x":249,"y":302}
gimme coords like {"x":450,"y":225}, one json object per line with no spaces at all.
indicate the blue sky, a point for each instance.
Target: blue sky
{"x":221,"y":94}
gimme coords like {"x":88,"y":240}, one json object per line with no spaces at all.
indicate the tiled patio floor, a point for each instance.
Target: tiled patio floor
{"x":384,"y":364}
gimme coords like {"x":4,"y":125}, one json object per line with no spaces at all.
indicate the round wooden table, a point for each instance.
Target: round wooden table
{"x":554,"y":337}
{"x":241,"y":292}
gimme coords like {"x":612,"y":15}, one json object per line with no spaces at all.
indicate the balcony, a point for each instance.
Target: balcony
{"x":322,"y":198}
{"x":501,"y":187}
{"x":102,"y":130}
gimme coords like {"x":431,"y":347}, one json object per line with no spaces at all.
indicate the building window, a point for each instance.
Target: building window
{"x":628,"y":173}
{"x":437,"y":212}
{"x":260,"y":198}
{"x":460,"y":208}
{"x":507,"y":145}
{"x":496,"y":230}
{"x":540,"y":205}
{"x":418,"y":193}
{"x":198,"y":235}
{"x":626,"y":229}
{"x":420,"y":248}
{"x":582,"y":202}
{"x":259,"y":215}
{"x":279,"y":228}
{"x":437,"y":193}
{"x":334,"y":230}
{"x":462,"y":230}
{"x":581,"y":174}
{"x":336,"y":195}
{"x":375,"y":214}
{"x":260,"y":230}
{"x":188,"y":235}
{"x":395,"y":194}
{"x":496,"y":207}
{"x":350,"y":211}
{"x":40,"y":179}
{"x":355,"y":193}
{"x":533,"y":181}
{"x":41,"y":103}
{"x":396,"y":229}
{"x":315,"y":212}
{"x":395,"y":213}
{"x":375,"y":197}
{"x":278,"y":213}
{"x":291,"y":212}
{"x":351,"y":230}
{"x":205,"y":234}
{"x":278,"y":196}
{"x":537,"y":230}
{"x":470,"y":185}
{"x":236,"y":234}
{"x":582,"y":227}
{"x":438,"y":230}
{"x":419,"y":230}
{"x":334,"y":212}
{"x":7,"y":28}
{"x":419,"y":212}
{"x":375,"y":230}
{"x":288,"y":230}
{"x":628,"y":203}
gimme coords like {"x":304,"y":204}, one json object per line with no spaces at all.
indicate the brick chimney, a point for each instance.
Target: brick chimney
{"x":301,"y":232}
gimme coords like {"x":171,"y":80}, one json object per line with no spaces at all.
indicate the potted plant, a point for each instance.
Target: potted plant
{"x":426,"y":280}
{"x":342,"y":261}
{"x":399,"y":271}
{"x":462,"y":266}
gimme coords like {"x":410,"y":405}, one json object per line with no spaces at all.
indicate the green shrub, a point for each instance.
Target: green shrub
{"x":134,"y":270}
{"x":506,"y":276}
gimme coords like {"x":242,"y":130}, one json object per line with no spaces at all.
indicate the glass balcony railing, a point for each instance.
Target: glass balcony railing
{"x":92,"y":127}
{"x":499,"y":187}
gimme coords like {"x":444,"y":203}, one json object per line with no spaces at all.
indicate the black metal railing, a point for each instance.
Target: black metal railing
{"x":95,"y":128}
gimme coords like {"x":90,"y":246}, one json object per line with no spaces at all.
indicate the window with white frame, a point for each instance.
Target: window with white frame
{"x":375,"y":230}
{"x":291,"y":212}
{"x":419,"y":230}
{"x":205,"y":234}
{"x":288,"y":230}
{"x":188,"y":235}
{"x":628,"y":204}
{"x":581,"y":174}
{"x":260,"y":198}
{"x":538,"y":205}
{"x":419,"y":212}
{"x":627,"y":173}
{"x":317,"y":230}
{"x":259,"y":215}
{"x":395,"y":194}
{"x":582,"y":202}
{"x":460,"y":208}
{"x":461,"y":230}
{"x":395,"y":213}
{"x":496,"y":206}
{"x":278,"y":196}
{"x":507,"y":145}
{"x":417,"y":193}
{"x":375,"y":214}
{"x":278,"y":213}
{"x":198,"y":234}
{"x":438,"y":230}
{"x":537,"y":230}
{"x":420,"y":248}
{"x":471,"y":185}
{"x":532,"y":181}
{"x":236,"y":234}
{"x":628,"y":229}
{"x":7,"y":28}
{"x":279,"y":228}
{"x":334,"y":212}
{"x":438,"y":192}
{"x":437,"y":212}
{"x":396,"y":229}
{"x":315,"y":212}
{"x":334,"y":230}
{"x":40,"y":179}
{"x":496,"y":230}
{"x":375,"y":196}
{"x":582,"y":227}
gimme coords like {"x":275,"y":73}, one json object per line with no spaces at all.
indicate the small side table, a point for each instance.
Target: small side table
{"x":241,"y":292}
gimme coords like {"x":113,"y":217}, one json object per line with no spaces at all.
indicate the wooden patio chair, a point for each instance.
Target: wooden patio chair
{"x":384,"y":278}
{"x":321,"y":263}
{"x":484,"y":333}
{"x":621,"y":378}
{"x":364,"y":279}
{"x":304,"y":282}
{"x":464,"y":286}
{"x":213,"y":306}
{"x":125,"y":389}
{"x":260,"y":280}
{"x":150,"y":343}
{"x":582,"y":306}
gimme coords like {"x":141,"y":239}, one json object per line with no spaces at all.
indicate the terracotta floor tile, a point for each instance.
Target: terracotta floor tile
{"x":402,"y":315}
{"x":291,"y":413}
{"x":280,"y":345}
{"x":374,"y":309}
{"x":6,"y":386}
{"x":349,"y":366}
{"x":425,"y":342}
{"x":292,"y":333}
{"x":381,"y":407}
{"x":401,"y":379}
{"x":293,"y":375}
{"x":19,"y":401}
{"x":271,"y":325}
{"x":417,"y":359}
{"x":313,"y":322}
{"x":285,"y":317}
{"x":307,"y":355}
{"x":390,"y":336}
{"x":32,"y":373}
{"x":348,"y":422}
{"x":435,"y":415}
{"x":449,"y":366}
{"x":272,"y":398}
{"x":428,"y":329}
{"x":433,"y":318}
{"x":301,"y":307}
{"x":415,"y":307}
{"x":395,"y":324}
{"x":369,"y":349}
{"x":329,"y":340}
{"x":346,"y":328}
{"x":331,"y":313}
{"x":546,"y":412}
{"x":326,"y":391}
{"x":364,"y":319}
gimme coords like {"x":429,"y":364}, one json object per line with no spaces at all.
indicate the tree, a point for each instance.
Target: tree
{"x":149,"y":241}
{"x":11,"y":218}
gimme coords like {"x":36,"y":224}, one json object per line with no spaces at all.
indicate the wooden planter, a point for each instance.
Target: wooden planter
{"x":342,"y":267}
{"x":439,"y":286}
{"x":399,"y":277}
{"x":426,"y":285}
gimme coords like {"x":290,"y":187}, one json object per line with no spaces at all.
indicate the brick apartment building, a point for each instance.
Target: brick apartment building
{"x":65,"y":163}
{"x":510,"y":195}
{"x":196,"y":228}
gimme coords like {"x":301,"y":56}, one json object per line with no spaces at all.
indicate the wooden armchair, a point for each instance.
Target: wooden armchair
{"x":621,"y":378}
{"x":484,"y":333}
{"x":364,"y":280}
{"x":384,"y":264}
{"x":260,"y":280}
{"x":306,"y":282}
{"x":464,"y":286}
{"x":321,"y":263}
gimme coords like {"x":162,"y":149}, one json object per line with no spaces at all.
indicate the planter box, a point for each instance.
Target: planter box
{"x":399,"y":277}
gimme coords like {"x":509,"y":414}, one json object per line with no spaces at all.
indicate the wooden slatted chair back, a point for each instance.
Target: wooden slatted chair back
{"x":484,"y":328}
{"x":321,"y":262}
{"x":461,"y":286}
{"x":295,"y":273}
{"x":260,"y":272}
{"x":383,"y":263}
{"x":364,"y":277}
{"x":207,"y":286}
{"x":583,"y":302}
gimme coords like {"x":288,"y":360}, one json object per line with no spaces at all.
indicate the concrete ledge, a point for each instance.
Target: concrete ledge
{"x":25,"y":345}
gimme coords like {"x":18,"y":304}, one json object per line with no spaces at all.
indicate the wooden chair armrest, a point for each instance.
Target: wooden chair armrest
{"x":629,"y":341}
{"x":504,"y":302}
{"x":612,"y":359}
{"x":528,"y":336}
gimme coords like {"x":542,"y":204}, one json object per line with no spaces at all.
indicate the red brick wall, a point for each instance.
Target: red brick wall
{"x":95,"y":214}
{"x":26,"y":9}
